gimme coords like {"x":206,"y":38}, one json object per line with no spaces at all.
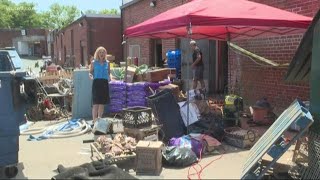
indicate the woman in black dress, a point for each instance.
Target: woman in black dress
{"x":100,"y":74}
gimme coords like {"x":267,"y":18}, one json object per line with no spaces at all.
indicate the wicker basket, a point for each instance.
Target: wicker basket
{"x":137,"y":117}
{"x":241,"y":138}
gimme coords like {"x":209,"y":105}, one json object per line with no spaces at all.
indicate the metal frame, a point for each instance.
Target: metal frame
{"x":314,"y":79}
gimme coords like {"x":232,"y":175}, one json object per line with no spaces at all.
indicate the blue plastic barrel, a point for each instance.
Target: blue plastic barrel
{"x":174,"y":59}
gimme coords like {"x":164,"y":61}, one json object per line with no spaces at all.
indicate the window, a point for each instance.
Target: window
{"x":134,"y":51}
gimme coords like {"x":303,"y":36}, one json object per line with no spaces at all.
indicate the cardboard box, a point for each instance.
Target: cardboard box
{"x":174,"y":88}
{"x":111,"y":58}
{"x":160,"y":74}
{"x":149,"y":158}
{"x":131,"y":72}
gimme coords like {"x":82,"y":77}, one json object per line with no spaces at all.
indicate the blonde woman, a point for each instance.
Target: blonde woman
{"x":99,"y":73}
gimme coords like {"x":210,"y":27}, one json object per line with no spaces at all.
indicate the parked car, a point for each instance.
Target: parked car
{"x":6,"y":63}
{"x":17,"y":62}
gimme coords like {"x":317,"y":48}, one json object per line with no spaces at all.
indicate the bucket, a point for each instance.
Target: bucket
{"x":260,"y":114}
{"x":101,"y":126}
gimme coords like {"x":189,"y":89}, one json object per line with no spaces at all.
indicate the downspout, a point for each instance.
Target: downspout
{"x":89,"y":48}
{"x":122,"y":31}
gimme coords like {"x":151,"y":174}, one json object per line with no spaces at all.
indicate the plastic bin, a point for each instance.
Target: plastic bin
{"x":137,"y":117}
{"x":174,"y":59}
{"x":11,"y":117}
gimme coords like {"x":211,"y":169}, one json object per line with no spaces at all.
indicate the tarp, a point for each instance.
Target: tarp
{"x":220,"y":19}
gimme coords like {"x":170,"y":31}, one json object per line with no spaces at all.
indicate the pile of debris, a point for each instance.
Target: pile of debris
{"x":120,"y":145}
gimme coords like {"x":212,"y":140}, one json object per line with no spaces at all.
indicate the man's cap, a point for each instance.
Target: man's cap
{"x":193,"y":42}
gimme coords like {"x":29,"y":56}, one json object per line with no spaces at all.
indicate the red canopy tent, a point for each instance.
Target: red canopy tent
{"x":221,"y":19}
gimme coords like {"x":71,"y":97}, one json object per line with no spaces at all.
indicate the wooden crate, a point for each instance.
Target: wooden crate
{"x":141,"y":134}
{"x":96,"y":149}
{"x":49,"y":78}
{"x":149,"y":158}
{"x":159,"y":74}
{"x":175,"y":90}
{"x":131,"y":72}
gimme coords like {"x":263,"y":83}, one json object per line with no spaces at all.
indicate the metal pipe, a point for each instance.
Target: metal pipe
{"x":246,"y":52}
{"x":188,"y":79}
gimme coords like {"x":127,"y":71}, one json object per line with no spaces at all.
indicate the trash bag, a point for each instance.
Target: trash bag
{"x":178,"y":156}
{"x":187,"y":142}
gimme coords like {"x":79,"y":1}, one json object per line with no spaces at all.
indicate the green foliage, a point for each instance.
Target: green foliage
{"x":24,"y":15}
{"x":60,"y":16}
{"x":109,"y":11}
{"x":18,"y":15}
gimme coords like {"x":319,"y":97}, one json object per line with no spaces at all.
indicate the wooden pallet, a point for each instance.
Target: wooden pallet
{"x":49,"y":78}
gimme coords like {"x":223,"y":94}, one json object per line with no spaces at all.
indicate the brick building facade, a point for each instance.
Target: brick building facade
{"x":256,"y":81}
{"x":138,"y":11}
{"x":28,"y":42}
{"x":251,"y":80}
{"x":74,"y":44}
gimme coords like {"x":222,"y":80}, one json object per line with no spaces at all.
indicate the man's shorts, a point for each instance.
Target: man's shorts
{"x":198,"y":73}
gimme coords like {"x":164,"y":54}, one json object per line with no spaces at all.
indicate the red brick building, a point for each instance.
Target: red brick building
{"x":74,"y":44}
{"x":28,"y":42}
{"x":251,"y":80}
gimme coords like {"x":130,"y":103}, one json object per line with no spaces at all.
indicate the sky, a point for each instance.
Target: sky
{"x":83,"y":5}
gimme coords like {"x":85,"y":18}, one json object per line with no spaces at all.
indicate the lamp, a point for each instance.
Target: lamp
{"x":153,"y":3}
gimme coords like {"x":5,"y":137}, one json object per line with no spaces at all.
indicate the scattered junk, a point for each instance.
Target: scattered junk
{"x":149,"y":158}
{"x":166,"y":112}
{"x":178,"y":156}
{"x":121,"y":145}
{"x":118,"y":150}
{"x":149,"y":134}
{"x":101,"y":126}
{"x":137,"y":117}
{"x":151,"y":127}
{"x":273,"y":142}
{"x":241,"y":138}
{"x":262,"y":113}
{"x":93,"y":170}
{"x":59,"y":129}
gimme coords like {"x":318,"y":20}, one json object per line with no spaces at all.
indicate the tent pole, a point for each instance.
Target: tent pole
{"x":189,"y":28}
{"x":124,"y":42}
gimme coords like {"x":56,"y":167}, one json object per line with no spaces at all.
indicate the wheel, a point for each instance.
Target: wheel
{"x":11,"y":171}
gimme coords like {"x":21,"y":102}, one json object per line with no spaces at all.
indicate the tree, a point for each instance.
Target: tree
{"x":90,"y":11}
{"x":6,"y":8}
{"x":109,"y":11}
{"x":60,"y":16}
{"x":24,"y":15}
{"x":103,"y":11}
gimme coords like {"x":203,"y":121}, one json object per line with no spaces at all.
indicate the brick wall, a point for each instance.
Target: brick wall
{"x":104,"y":32}
{"x":62,"y":43}
{"x":256,"y":81}
{"x":6,"y":36}
{"x":140,"y":12}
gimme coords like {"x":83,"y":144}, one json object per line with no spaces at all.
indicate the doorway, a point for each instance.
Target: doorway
{"x":158,"y":53}
{"x":215,"y":59}
{"x":159,"y":60}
